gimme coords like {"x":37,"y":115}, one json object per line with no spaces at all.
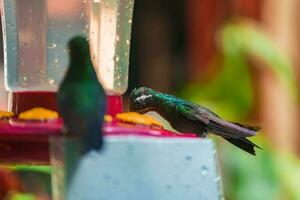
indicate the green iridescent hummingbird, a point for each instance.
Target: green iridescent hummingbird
{"x":187,"y":117}
{"x":81,"y":98}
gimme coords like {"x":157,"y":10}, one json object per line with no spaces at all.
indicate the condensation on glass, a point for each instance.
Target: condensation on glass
{"x":36,"y":33}
{"x":110,"y":35}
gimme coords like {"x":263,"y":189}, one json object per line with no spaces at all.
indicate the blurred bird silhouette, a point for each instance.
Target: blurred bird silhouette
{"x":81,"y":98}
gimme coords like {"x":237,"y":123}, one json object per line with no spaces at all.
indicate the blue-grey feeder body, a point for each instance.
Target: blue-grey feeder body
{"x":139,"y":168}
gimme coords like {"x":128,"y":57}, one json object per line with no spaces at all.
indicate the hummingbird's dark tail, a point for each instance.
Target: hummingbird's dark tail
{"x":93,"y":140}
{"x":243,"y":143}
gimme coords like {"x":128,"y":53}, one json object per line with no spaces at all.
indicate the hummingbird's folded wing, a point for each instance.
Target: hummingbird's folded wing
{"x":228,"y":129}
{"x":213,"y":122}
{"x":189,"y":113}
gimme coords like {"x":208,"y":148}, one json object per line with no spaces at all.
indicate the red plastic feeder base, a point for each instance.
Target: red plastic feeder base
{"x":22,"y":101}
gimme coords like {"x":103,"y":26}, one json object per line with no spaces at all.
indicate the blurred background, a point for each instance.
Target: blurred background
{"x":241,"y":59}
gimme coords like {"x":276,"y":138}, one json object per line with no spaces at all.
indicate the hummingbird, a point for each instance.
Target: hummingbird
{"x":81,"y":98}
{"x":187,"y":117}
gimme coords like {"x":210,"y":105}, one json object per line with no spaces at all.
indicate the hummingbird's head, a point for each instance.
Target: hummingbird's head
{"x":79,"y":47}
{"x":142,"y":100}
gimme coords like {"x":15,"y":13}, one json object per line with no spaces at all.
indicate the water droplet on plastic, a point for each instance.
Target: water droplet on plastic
{"x":93,"y":57}
{"x":188,"y":157}
{"x":56,"y":61}
{"x":204,"y":170}
{"x":51,"y":81}
{"x":127,"y":42}
{"x":108,"y":69}
{"x":24,"y":79}
{"x":117,"y":58}
{"x":41,"y":72}
{"x":168,"y":186}
{"x":130,"y":21}
{"x":217,"y":179}
{"x":117,"y":38}
{"x":117,"y":78}
{"x":51,"y":46}
{"x":81,"y":15}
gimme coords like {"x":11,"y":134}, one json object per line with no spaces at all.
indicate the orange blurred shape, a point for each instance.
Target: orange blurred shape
{"x":9,"y":181}
{"x":6,"y":114}
{"x":136,"y":118}
{"x":38,"y":114}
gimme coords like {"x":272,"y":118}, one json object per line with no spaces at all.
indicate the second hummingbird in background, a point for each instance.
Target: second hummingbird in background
{"x":81,"y":98}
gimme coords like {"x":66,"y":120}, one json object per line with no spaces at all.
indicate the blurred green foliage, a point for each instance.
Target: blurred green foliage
{"x":47,"y":169}
{"x":231,"y":90}
{"x":271,"y":174}
{"x":247,"y":177}
{"x":23,"y":197}
{"x":35,"y":179}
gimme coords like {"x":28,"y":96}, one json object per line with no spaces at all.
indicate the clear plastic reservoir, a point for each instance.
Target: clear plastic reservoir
{"x":110,"y":35}
{"x":36,"y":33}
{"x":136,"y":168}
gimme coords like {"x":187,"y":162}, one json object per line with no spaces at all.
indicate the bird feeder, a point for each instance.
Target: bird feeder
{"x":139,"y":161}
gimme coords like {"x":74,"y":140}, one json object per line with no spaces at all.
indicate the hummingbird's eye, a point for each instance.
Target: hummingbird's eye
{"x":136,"y":102}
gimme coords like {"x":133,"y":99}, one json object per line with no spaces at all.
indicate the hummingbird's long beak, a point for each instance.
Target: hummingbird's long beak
{"x":145,"y":110}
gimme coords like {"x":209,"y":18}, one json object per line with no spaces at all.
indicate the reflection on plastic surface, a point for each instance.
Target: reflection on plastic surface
{"x":110,"y":35}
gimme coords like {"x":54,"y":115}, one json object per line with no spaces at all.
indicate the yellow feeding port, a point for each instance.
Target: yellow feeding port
{"x":136,"y":118}
{"x":6,"y":114}
{"x":38,"y":114}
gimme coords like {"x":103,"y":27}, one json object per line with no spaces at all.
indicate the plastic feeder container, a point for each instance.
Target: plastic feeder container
{"x":137,"y":164}
{"x":36,"y":33}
